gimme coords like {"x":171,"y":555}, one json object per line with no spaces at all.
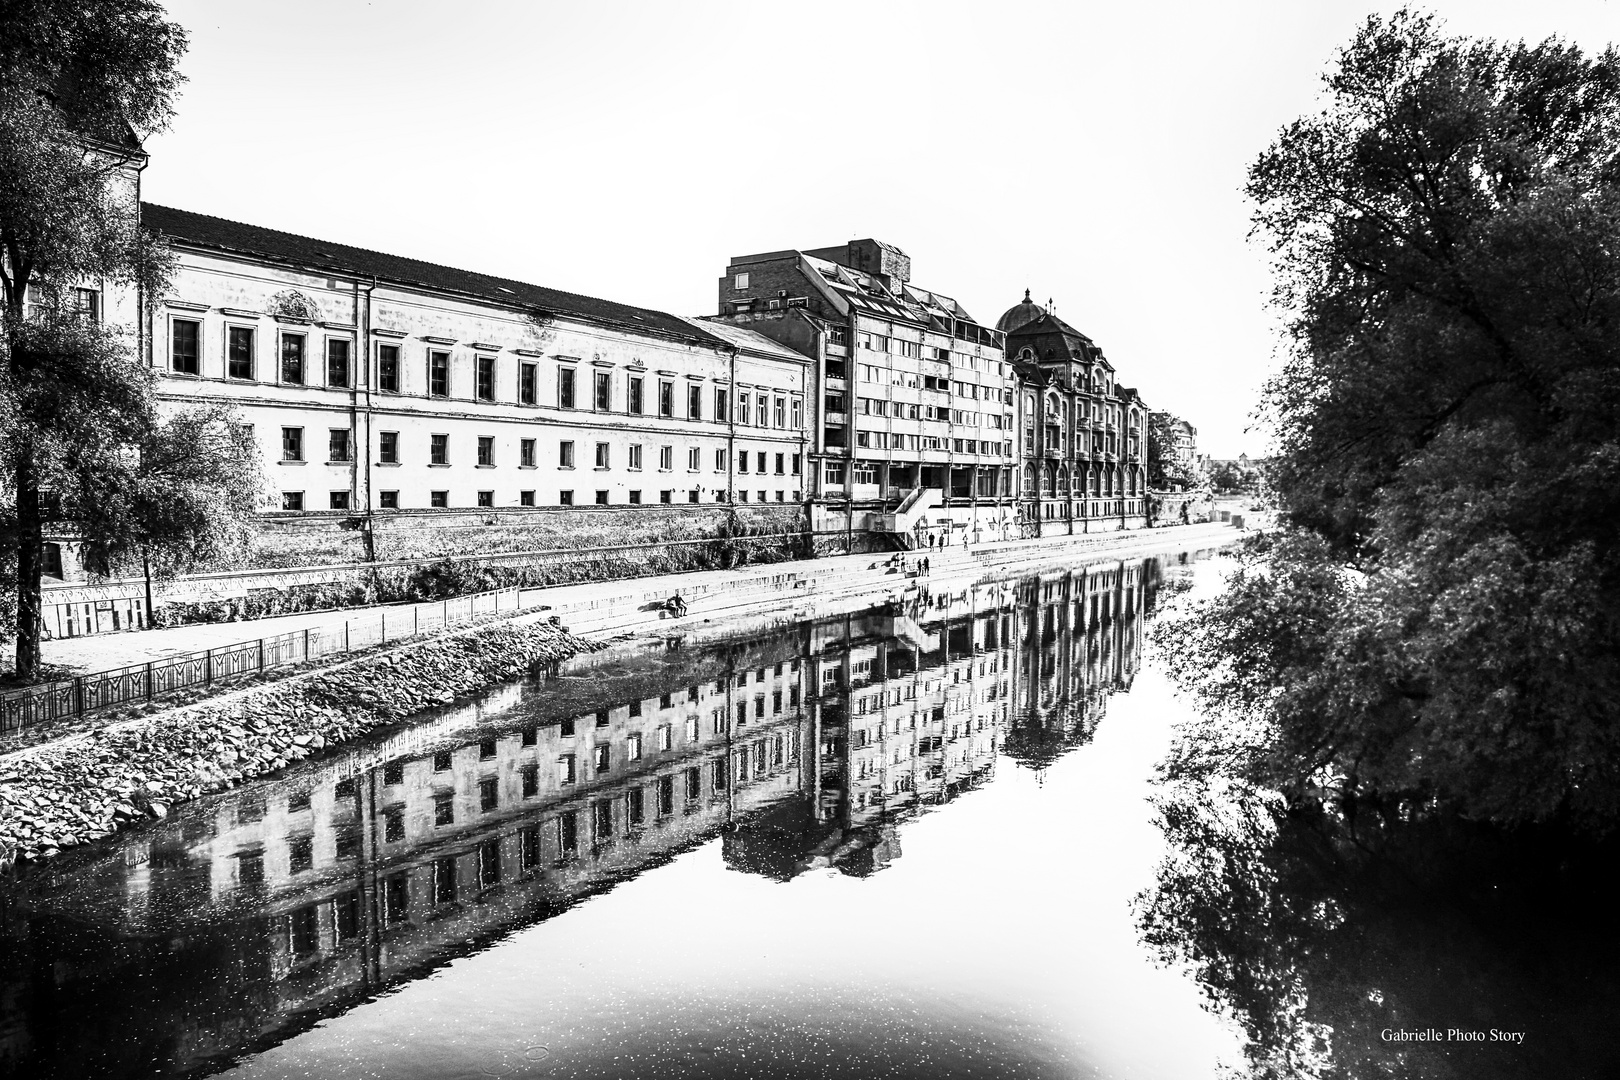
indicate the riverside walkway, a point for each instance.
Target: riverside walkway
{"x":759,"y":582}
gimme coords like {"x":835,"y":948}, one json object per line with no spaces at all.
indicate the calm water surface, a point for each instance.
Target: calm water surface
{"x":885,"y":845}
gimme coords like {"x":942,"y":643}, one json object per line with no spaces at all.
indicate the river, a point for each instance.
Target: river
{"x":893,"y":844}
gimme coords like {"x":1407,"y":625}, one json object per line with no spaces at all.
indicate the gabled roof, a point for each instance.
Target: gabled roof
{"x":236,"y":238}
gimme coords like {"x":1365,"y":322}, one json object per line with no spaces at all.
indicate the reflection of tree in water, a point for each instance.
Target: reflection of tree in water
{"x":1319,"y":939}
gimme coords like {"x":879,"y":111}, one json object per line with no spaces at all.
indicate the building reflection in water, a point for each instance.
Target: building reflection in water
{"x":251,"y":915}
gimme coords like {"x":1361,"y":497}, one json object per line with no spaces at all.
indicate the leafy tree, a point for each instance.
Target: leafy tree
{"x":82,"y":82}
{"x":1164,"y":472}
{"x":1437,"y":626}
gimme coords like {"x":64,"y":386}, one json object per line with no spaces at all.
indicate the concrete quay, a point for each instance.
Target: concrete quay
{"x":795,"y":589}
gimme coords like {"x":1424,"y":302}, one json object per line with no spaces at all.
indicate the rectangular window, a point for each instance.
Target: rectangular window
{"x":637,"y":406}
{"x":292,"y":444}
{"x":565,"y":388}
{"x":759,"y":459}
{"x":635,"y":456}
{"x":526,"y":497}
{"x":666,"y":458}
{"x":602,"y":758}
{"x":666,"y":737}
{"x":666,"y":497}
{"x":601,"y":455}
{"x":565,"y":769}
{"x":239,"y":352}
{"x":337,"y":363}
{"x":444,"y":880}
{"x":796,"y":465}
{"x":692,"y":496}
{"x":292,"y":359}
{"x":486,"y":450}
{"x":444,"y":808}
{"x":604,"y":391}
{"x":388,"y":368}
{"x":565,"y":498}
{"x":526,"y":453}
{"x":439,"y":450}
{"x":183,"y":338}
{"x":439,"y":500}
{"x":798,"y":414}
{"x":760,"y":402}
{"x":486,"y":498}
{"x":781,"y":412}
{"x":632,"y":748}
{"x":489,"y":794}
{"x":388,"y":500}
{"x":438,"y":374}
{"x":742,"y":462}
{"x":292,"y":500}
{"x":720,"y":461}
{"x":565,"y":454}
{"x":531,"y":781}
{"x":337,"y":444}
{"x":694,"y":402}
{"x":86,"y":304}
{"x":742,"y":408}
{"x":722,"y":397}
{"x":635,"y":497}
{"x":781,"y":464}
{"x":666,"y":398}
{"x":601,"y":498}
{"x":635,"y":807}
{"x":486,"y":378}
{"x":694,"y":459}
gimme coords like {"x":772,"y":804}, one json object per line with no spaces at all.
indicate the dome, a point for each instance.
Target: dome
{"x":1020,"y":315}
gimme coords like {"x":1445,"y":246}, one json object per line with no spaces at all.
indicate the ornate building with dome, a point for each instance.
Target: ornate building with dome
{"x":1082,"y":437}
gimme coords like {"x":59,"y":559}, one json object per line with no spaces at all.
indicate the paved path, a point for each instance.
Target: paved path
{"x":103,"y":651}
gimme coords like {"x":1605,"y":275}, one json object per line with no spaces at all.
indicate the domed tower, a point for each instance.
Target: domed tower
{"x":1020,"y":315}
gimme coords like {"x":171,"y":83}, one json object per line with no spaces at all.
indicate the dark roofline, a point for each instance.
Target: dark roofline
{"x":203,"y":232}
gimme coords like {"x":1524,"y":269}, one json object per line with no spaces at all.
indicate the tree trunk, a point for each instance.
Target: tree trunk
{"x":30,"y":544}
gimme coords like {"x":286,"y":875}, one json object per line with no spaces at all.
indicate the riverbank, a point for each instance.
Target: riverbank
{"x":86,"y":786}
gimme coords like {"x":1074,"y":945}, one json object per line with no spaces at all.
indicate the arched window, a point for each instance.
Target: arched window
{"x":1094,"y":480}
{"x":1047,"y":476}
{"x":1029,"y":479}
{"x":1063,"y":480}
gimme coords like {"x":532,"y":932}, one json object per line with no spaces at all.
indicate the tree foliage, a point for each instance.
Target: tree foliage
{"x":1164,"y":471}
{"x":83,"y":448}
{"x":1437,"y":626}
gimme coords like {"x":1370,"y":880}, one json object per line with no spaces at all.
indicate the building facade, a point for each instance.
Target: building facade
{"x":1082,"y":437}
{"x":913,"y":433}
{"x":378,"y":384}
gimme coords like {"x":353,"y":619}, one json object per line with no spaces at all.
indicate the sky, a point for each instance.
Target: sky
{"x":1093,"y":153}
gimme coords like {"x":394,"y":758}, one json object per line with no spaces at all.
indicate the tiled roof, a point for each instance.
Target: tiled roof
{"x":234,"y":237}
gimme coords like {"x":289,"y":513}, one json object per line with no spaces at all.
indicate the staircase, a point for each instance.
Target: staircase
{"x":903,"y":521}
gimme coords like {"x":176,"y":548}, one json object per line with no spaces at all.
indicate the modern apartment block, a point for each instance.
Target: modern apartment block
{"x":914,"y":433}
{"x":381,"y":384}
{"x":1082,"y":436}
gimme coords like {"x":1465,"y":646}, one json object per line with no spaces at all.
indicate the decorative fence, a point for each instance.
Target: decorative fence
{"x":82,"y":694}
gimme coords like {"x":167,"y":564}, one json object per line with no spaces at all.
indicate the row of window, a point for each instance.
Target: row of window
{"x":440,"y":499}
{"x":339,"y":448}
{"x":754,"y":408}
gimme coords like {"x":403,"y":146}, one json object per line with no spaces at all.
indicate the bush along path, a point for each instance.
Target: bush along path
{"x":83,"y":788}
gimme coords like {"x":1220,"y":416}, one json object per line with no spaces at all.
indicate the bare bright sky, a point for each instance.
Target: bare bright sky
{"x":1092,"y":152}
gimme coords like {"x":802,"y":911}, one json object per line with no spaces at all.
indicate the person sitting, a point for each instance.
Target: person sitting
{"x":676,"y":606}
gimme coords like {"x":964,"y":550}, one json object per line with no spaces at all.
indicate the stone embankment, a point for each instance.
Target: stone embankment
{"x":85,"y":787}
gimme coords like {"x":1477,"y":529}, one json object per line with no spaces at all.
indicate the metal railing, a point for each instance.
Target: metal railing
{"x":82,"y":694}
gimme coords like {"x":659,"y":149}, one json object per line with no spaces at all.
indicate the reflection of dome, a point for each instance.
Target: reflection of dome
{"x":1019,"y":315}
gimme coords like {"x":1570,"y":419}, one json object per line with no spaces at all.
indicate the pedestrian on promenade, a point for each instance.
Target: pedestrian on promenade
{"x":925,"y":564}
